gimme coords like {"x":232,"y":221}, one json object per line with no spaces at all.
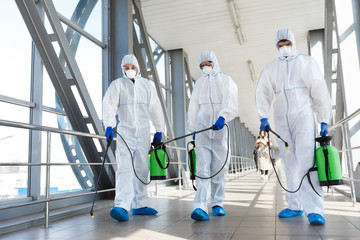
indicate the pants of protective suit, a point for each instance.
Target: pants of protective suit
{"x":211,"y":149}
{"x":297,"y":161}
{"x":130,"y":192}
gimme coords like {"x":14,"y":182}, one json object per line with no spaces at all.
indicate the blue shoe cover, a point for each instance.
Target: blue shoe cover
{"x":288,"y":213}
{"x":119,"y":214}
{"x":144,"y":211}
{"x":316,"y":219}
{"x":218,"y":211}
{"x":199,"y":215}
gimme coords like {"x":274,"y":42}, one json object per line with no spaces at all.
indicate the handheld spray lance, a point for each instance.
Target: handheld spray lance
{"x":101,"y":170}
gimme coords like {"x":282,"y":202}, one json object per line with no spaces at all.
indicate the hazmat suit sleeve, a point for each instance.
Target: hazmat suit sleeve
{"x":264,"y":95}
{"x":193,"y":108}
{"x":319,"y":93}
{"x":155,"y":111}
{"x":230,"y":102}
{"x":110,"y":105}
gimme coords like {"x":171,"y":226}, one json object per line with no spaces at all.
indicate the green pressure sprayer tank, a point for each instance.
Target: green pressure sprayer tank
{"x":192,"y":160}
{"x":328,"y":163}
{"x":158,"y":163}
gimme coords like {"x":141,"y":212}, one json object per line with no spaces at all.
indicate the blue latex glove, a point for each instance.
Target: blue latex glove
{"x":324,"y":129}
{"x":264,"y":124}
{"x":109,"y":133}
{"x":220,"y":123}
{"x":194,"y":136}
{"x":157,"y":137}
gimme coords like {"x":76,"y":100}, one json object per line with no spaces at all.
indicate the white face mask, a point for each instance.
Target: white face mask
{"x":130,"y":73}
{"x":207,"y":70}
{"x":285,"y":51}
{"x":262,"y":134}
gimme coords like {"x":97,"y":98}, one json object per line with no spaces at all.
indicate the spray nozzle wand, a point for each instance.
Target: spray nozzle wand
{"x":101,"y":170}
{"x":190,"y":134}
{"x":286,"y":144}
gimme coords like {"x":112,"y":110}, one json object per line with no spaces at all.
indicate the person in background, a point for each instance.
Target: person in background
{"x":255,"y":156}
{"x":262,"y":145}
{"x":214,"y":101}
{"x":135,"y":102}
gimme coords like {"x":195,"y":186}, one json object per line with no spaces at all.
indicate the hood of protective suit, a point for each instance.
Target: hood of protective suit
{"x":209,"y":55}
{"x":130,"y":59}
{"x":286,"y":34}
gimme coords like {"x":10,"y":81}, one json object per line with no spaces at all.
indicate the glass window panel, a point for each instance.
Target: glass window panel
{"x":15,"y":41}
{"x":89,"y":57}
{"x":94,"y":23}
{"x":48,"y":91}
{"x":69,"y":9}
{"x":14,"y":112}
{"x":160,"y":65}
{"x":62,"y":178}
{"x":66,"y":7}
{"x":138,"y":33}
{"x":13,"y":179}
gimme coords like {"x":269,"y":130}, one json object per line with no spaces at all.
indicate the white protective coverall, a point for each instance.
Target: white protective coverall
{"x":135,"y":104}
{"x":301,"y":95}
{"x":214,"y":95}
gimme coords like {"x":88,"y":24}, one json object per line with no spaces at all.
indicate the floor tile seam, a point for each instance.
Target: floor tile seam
{"x":351,"y":223}
{"x":232,"y":236}
{"x":246,"y":213}
{"x":173,"y":224}
{"x":276,"y":205}
{"x":237,"y":228}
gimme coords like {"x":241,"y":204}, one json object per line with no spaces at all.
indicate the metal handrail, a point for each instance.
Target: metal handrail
{"x":49,"y":130}
{"x":349,"y":149}
{"x":344,"y":120}
{"x":351,"y":178}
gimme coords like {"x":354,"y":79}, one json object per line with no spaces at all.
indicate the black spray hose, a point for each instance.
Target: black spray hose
{"x":162,"y":145}
{"x":157,"y":147}
{"x":277,"y":176}
{"x":101,"y":170}
{"x":132,"y":155}
{"x":226,"y":159}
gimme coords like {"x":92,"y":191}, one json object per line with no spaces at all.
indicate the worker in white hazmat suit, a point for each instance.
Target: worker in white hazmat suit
{"x":214,"y":101}
{"x":301,"y":96}
{"x":134,"y":100}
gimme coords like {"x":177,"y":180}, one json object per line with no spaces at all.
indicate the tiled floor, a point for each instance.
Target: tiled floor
{"x":251,"y":205}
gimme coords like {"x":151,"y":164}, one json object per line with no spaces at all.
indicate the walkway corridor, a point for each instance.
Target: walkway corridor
{"x":251,"y":205}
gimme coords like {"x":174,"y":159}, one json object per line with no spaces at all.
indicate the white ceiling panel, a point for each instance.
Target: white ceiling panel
{"x":197,"y":25}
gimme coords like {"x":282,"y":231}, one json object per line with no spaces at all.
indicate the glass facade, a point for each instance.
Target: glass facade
{"x":15,"y":143}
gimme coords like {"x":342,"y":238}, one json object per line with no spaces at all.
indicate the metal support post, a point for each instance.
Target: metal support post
{"x":47,"y":190}
{"x":179,"y":172}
